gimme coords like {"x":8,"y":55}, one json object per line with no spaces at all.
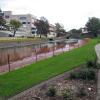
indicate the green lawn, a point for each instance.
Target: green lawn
{"x":21,"y":79}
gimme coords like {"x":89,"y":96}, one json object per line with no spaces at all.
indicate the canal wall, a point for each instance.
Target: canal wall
{"x":15,"y":53}
{"x":18,"y":51}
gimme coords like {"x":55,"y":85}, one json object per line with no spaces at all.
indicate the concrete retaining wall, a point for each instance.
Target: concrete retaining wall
{"x":16,"y":53}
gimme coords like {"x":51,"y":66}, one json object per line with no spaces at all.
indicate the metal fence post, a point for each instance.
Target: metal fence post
{"x":53,"y":49}
{"x":36,"y":55}
{"x":8,"y":57}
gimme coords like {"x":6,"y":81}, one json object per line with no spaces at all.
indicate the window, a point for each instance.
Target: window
{"x":23,"y":22}
{"x":33,"y":32}
{"x":6,"y":16}
{"x":22,"y":18}
{"x":34,"y":29}
{"x":28,"y":22}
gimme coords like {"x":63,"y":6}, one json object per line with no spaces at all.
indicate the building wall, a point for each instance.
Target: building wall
{"x":7,"y":16}
{"x":27,"y":20}
{"x":52,"y":31}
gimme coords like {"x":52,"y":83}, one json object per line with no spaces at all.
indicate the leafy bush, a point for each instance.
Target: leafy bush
{"x":93,"y":64}
{"x":91,"y":74}
{"x":67,"y":94}
{"x":81,"y":92}
{"x":74,"y":75}
{"x":98,"y":65}
{"x":85,"y":74}
{"x":51,"y":92}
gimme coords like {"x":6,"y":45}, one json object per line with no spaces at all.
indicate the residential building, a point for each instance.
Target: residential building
{"x":52,"y":31}
{"x":85,"y":33}
{"x":27,"y":20}
{"x":1,"y":13}
{"x":84,"y":30}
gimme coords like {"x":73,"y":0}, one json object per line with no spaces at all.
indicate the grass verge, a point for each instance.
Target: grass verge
{"x":16,"y":81}
{"x":19,"y":39}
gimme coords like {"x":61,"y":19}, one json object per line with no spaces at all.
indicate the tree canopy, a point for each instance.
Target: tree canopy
{"x":75,"y":33}
{"x":93,"y":26}
{"x":2,"y":21}
{"x":59,"y":29}
{"x":15,"y":25}
{"x":42,"y":26}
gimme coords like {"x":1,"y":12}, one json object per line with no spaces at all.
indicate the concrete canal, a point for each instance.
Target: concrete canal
{"x":18,"y":51}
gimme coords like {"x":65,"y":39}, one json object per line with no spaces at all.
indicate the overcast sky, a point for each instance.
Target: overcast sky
{"x":71,"y":13}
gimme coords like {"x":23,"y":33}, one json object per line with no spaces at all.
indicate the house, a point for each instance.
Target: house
{"x":84,"y":31}
{"x":52,"y":32}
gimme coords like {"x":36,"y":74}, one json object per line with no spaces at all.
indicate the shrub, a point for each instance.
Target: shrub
{"x":82,"y":92}
{"x":92,"y":64}
{"x":74,"y":75}
{"x":67,"y":94}
{"x":85,"y":74}
{"x":51,"y":92}
{"x":97,"y":65}
{"x":91,"y":74}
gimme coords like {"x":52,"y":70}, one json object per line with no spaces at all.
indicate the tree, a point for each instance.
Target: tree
{"x":59,"y":29}
{"x":75,"y":33}
{"x":42,"y":26}
{"x":93,"y":26}
{"x":15,"y":25}
{"x":38,"y":26}
{"x":2,"y":20}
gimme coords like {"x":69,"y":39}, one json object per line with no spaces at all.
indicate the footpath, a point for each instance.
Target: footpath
{"x":97,"y":48}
